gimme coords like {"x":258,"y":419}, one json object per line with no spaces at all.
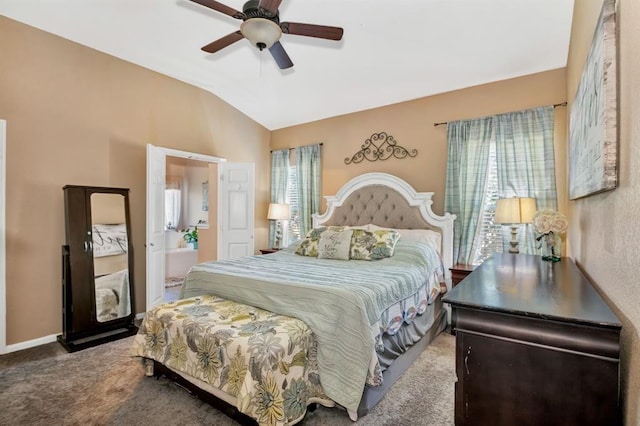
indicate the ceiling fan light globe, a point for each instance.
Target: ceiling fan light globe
{"x":261,"y":31}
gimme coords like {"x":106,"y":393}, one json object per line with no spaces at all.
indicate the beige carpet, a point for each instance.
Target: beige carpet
{"x":104,"y":386}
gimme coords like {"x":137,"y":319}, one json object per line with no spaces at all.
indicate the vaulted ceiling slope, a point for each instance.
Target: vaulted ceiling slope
{"x":392,"y":50}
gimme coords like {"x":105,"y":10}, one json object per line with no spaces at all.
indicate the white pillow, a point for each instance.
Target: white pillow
{"x":365,"y":227}
{"x":428,"y":236}
{"x":335,"y":244}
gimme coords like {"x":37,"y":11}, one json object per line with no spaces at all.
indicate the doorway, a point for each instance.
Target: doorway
{"x":187,"y":219}
{"x":156,"y":217}
{"x":231,"y":206}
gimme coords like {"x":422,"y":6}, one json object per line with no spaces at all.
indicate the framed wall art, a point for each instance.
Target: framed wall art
{"x":593,"y":122}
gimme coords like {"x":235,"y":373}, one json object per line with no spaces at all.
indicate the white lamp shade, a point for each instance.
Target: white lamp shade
{"x":260,"y":30}
{"x":515,"y":210}
{"x":279,"y":211}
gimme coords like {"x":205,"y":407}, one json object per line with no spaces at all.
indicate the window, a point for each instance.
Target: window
{"x":172,"y":208}
{"x":292,"y":229}
{"x":172,"y":202}
{"x":284,"y":188}
{"x":488,"y":239}
{"x":513,"y":155}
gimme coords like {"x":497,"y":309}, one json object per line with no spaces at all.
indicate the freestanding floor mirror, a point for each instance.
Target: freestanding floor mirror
{"x":97,"y":267}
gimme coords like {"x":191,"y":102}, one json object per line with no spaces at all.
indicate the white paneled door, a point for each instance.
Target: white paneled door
{"x":236,"y":205}
{"x":156,"y":177}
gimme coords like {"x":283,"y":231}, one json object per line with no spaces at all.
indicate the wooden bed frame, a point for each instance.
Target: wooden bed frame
{"x":383,"y":200}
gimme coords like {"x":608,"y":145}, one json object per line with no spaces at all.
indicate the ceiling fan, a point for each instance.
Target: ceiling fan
{"x":262,"y":27}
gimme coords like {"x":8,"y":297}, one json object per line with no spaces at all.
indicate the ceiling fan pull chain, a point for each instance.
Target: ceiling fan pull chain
{"x":261,"y":61}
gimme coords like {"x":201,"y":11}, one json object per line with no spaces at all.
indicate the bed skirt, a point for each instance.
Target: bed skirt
{"x":434,"y":320}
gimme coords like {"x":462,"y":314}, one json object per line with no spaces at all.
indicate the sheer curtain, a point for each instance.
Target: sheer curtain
{"x":526,"y":163}
{"x":309,"y":184}
{"x":279,"y":178}
{"x":468,"y":144}
{"x":172,"y":202}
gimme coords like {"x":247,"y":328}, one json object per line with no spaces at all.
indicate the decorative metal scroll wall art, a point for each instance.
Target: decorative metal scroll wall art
{"x":380,"y":146}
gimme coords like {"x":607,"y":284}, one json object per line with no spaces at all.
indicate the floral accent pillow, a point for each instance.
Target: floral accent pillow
{"x":373,"y":245}
{"x":309,"y":245}
{"x":335,"y":244}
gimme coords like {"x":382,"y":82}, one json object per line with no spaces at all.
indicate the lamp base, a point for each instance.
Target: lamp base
{"x":514,"y":240}
{"x":278,"y":236}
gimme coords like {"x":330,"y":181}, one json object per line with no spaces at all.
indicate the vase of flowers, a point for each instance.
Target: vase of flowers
{"x":549,"y":225}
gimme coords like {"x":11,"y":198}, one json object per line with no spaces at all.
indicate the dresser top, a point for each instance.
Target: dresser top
{"x":526,"y":285}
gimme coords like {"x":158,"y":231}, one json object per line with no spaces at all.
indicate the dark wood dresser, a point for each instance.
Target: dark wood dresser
{"x":535,"y":345}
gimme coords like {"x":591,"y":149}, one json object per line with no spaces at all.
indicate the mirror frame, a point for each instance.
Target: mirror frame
{"x":81,"y":329}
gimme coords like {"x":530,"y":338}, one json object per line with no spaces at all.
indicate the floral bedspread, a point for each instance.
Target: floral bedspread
{"x":268,"y":362}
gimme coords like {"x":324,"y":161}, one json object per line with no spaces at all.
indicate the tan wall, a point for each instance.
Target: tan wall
{"x":77,"y":116}
{"x":604,"y":233}
{"x":411,"y":124}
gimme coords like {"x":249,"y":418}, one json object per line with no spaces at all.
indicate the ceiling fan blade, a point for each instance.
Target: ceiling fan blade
{"x":280,"y":55}
{"x":219,"y":7}
{"x":311,"y":30}
{"x":223,"y":42}
{"x":270,"y":5}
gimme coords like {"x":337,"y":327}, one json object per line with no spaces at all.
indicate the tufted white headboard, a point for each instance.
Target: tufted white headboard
{"x":388,"y":201}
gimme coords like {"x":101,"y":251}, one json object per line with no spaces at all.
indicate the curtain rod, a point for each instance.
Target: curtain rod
{"x":321,"y":143}
{"x":554,"y":105}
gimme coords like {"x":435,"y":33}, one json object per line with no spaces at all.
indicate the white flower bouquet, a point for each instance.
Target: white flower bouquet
{"x":546,"y":221}
{"x":549,"y":224}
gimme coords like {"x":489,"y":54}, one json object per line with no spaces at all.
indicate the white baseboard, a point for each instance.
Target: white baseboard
{"x":43,"y":340}
{"x":31,"y":343}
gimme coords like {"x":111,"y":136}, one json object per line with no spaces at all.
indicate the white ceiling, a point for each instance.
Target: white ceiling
{"x":392,"y":50}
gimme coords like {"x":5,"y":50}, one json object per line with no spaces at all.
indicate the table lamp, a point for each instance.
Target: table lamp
{"x":515,"y":211}
{"x":278,"y":212}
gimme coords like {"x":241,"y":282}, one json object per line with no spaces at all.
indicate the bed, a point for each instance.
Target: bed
{"x":271,"y":335}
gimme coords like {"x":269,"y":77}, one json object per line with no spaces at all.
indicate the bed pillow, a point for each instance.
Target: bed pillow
{"x":309,"y":245}
{"x":373,"y":245}
{"x":335,"y":244}
{"x":428,"y":236}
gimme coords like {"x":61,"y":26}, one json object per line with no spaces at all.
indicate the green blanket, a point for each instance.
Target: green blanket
{"x":340,"y":301}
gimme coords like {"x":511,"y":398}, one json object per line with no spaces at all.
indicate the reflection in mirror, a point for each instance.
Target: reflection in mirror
{"x":110,"y":257}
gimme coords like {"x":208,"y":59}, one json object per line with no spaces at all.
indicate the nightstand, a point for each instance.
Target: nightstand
{"x":459,"y":271}
{"x":269,"y":250}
